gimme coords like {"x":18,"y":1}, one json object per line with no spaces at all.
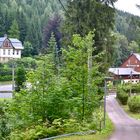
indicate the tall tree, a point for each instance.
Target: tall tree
{"x":20,"y":78}
{"x":83,"y":16}
{"x":52,"y":26}
{"x":22,"y":22}
{"x":14,"y":30}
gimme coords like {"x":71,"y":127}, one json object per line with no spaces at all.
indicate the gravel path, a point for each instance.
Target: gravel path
{"x":126,"y":128}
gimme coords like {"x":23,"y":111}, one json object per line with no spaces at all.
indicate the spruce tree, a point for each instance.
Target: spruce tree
{"x":20,"y":78}
{"x":14,"y":30}
{"x":83,"y":16}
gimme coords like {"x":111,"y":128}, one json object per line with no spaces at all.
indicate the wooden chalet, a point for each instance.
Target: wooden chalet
{"x":129,"y":71}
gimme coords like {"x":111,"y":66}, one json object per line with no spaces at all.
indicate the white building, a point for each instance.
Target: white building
{"x":10,"y":48}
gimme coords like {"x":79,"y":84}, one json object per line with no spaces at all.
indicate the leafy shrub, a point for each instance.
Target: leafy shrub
{"x":57,"y":127}
{"x":122,"y":96}
{"x":6,"y":78}
{"x":136,"y":88}
{"x":30,"y":133}
{"x":4,"y":127}
{"x":134,"y":104}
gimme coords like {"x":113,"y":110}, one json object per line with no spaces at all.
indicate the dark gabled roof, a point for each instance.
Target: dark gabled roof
{"x":15,"y":42}
{"x":2,"y":40}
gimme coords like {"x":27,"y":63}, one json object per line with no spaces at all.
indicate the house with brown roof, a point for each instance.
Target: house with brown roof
{"x":10,"y":48}
{"x":129,"y":71}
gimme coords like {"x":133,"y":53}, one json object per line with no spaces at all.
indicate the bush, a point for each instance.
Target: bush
{"x":57,"y":127}
{"x":123,"y":97}
{"x":136,"y":88}
{"x":6,"y":78}
{"x":134,"y":104}
{"x":4,"y":127}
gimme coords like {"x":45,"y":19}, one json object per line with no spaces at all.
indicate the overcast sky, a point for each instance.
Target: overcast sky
{"x":129,"y":6}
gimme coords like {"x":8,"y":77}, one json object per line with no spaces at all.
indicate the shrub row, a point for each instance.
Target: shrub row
{"x":57,"y":127}
{"x":133,"y":101}
{"x":134,"y":104}
{"x":122,"y":96}
{"x":6,"y":78}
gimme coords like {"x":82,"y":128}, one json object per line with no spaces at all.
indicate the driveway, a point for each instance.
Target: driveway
{"x":6,"y":88}
{"x":126,"y":128}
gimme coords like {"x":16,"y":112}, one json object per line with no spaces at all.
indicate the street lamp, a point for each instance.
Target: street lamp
{"x":105,"y":93}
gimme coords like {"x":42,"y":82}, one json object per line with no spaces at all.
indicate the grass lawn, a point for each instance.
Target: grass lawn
{"x":103,"y":135}
{"x":5,"y":99}
{"x":131,"y":114}
{"x":5,"y":82}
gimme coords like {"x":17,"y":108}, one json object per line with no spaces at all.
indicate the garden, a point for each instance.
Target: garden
{"x":129,"y":96}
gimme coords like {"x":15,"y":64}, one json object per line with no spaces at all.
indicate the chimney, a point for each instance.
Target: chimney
{"x":5,"y":35}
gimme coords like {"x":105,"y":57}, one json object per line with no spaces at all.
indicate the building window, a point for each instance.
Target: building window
{"x":3,"y":51}
{"x":13,"y":52}
{"x":8,"y":52}
{"x":17,"y":52}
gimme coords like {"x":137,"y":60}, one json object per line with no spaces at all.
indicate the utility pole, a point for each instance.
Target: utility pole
{"x":13,"y":76}
{"x":105,"y":93}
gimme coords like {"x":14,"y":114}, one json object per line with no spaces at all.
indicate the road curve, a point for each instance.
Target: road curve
{"x":126,"y":128}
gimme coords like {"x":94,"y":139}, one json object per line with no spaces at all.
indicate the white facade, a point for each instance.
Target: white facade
{"x":9,"y":49}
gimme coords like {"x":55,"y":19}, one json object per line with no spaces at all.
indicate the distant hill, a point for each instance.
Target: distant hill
{"x":129,"y":25}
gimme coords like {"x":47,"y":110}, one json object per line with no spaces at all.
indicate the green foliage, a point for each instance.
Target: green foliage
{"x":20,"y":78}
{"x":79,"y":69}
{"x":122,"y":96}
{"x":5,"y":73}
{"x":30,"y":16}
{"x":4,"y":127}
{"x":128,"y":25}
{"x":14,"y":30}
{"x":79,"y":19}
{"x":135,"y":88}
{"x":27,"y":49}
{"x":134,"y":104}
{"x":46,"y":130}
{"x":121,"y":51}
{"x":6,"y":78}
{"x":72,"y":94}
{"x":27,"y":62}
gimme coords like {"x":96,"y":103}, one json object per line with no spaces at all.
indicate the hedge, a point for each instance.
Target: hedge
{"x":134,"y":104}
{"x":122,"y":96}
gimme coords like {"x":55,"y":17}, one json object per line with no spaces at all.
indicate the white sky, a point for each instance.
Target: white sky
{"x":128,"y":6}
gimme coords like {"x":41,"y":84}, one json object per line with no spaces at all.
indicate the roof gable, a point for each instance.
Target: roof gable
{"x":7,"y":44}
{"x":137,"y":56}
{"x":15,"y":42}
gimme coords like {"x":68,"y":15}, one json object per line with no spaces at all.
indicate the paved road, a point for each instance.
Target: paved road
{"x":126,"y":128}
{"x":5,"y":95}
{"x":6,"y":88}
